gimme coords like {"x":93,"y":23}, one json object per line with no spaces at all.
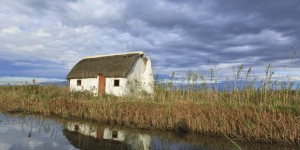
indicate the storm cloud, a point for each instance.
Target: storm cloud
{"x":46,"y":38}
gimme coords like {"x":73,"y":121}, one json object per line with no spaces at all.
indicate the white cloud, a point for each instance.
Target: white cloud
{"x":90,"y":10}
{"x":266,"y":36}
{"x":241,"y":49}
{"x":10,"y":30}
{"x":26,"y":80}
{"x":20,"y":63}
{"x":41,"y":33}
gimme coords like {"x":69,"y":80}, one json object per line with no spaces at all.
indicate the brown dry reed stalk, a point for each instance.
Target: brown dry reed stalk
{"x":262,"y":114}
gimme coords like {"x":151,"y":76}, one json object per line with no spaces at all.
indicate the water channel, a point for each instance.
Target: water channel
{"x":33,"y":132}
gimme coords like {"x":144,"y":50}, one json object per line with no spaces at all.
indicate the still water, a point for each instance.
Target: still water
{"x":22,"y":132}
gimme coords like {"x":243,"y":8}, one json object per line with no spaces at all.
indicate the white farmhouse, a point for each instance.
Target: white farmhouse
{"x":116,"y":74}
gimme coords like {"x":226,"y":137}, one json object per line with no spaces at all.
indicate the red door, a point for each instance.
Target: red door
{"x":101,"y":86}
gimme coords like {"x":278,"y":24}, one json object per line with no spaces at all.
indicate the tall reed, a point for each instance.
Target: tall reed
{"x":268,"y":113}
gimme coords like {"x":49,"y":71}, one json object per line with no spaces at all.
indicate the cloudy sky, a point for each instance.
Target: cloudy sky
{"x":46,"y":38}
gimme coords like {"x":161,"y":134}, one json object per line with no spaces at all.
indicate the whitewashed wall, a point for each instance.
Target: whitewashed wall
{"x":89,"y":84}
{"x":84,"y":129}
{"x":135,"y":77}
{"x":148,"y":79}
{"x":135,"y":140}
{"x":142,"y":72}
{"x":137,"y":71}
{"x":115,"y":90}
{"x":108,"y":134}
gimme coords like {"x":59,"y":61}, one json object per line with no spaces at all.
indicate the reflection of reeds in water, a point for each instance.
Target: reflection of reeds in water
{"x":249,"y":113}
{"x":141,"y":139}
{"x":90,"y":135}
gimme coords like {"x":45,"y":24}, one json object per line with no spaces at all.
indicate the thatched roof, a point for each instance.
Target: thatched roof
{"x":117,"y":66}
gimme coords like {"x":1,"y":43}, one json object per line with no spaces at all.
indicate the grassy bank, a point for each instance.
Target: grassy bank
{"x":249,"y":114}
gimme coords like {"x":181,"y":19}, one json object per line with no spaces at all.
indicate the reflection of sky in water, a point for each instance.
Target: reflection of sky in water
{"x":27,"y":133}
{"x":35,"y":133}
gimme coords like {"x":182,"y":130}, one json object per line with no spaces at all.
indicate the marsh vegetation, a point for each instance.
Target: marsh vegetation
{"x":268,"y":112}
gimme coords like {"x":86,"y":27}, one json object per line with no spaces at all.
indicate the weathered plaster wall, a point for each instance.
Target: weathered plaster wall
{"x":89,"y":84}
{"x":148,"y":79}
{"x":115,"y":90}
{"x":137,"y":71}
{"x":142,"y":72}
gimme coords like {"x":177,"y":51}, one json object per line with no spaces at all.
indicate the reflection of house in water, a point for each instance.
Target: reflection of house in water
{"x":97,"y":137}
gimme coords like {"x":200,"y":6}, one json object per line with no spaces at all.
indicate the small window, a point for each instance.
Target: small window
{"x":78,"y":82}
{"x":116,"y":82}
{"x":115,"y":134}
{"x":76,"y":127}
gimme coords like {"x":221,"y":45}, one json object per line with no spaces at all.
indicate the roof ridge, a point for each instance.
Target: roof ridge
{"x":105,"y":55}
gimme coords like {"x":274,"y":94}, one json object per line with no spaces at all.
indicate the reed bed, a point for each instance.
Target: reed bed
{"x":262,"y":114}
